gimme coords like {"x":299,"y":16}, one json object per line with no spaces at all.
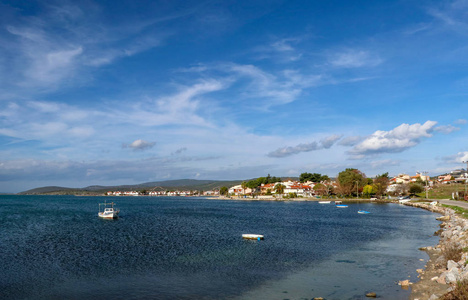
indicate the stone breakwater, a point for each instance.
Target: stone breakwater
{"x":447,"y":262}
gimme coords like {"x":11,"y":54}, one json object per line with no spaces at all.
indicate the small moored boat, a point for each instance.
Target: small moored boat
{"x":341,"y":205}
{"x":363,"y":212}
{"x":107,"y":211}
{"x":324,"y":202}
{"x":250,"y":236}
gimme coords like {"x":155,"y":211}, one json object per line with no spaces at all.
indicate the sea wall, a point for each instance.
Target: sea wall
{"x":447,"y":262}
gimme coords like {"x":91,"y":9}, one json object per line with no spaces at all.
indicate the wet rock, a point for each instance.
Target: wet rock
{"x":371,"y":295}
{"x":443,"y":218}
{"x":404,"y":282}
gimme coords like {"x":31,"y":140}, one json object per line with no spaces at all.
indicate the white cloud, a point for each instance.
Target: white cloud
{"x":325,"y":143}
{"x":460,"y":157}
{"x":396,"y":140}
{"x":139,"y":145}
{"x":461,"y":121}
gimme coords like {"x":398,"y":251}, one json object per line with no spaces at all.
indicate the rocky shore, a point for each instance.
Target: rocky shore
{"x":448,"y":261}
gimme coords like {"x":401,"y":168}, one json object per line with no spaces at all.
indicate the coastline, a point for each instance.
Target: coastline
{"x":440,"y":276}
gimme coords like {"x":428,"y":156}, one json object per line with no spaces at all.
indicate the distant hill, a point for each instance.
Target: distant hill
{"x":181,"y":184}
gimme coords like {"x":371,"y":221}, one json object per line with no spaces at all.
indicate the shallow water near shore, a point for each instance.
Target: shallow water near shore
{"x":55,"y":247}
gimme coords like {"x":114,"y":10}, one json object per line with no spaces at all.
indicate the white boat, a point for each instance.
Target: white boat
{"x":363,"y":212}
{"x":107,"y":211}
{"x":341,"y":205}
{"x":324,"y":202}
{"x":250,"y":236}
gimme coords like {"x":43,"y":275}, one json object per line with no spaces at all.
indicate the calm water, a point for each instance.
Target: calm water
{"x":191,"y":248}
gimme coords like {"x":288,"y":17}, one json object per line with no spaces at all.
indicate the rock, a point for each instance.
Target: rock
{"x":318,"y":298}
{"x":404,"y":282}
{"x":451,"y":264}
{"x":371,"y":295}
{"x":443,"y":218}
{"x":420,"y":271}
{"x":434,"y":297}
{"x":452,"y":275}
{"x":441,"y":280}
{"x":434,"y":278}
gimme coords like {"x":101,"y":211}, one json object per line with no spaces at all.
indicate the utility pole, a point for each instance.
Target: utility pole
{"x":466,"y":179}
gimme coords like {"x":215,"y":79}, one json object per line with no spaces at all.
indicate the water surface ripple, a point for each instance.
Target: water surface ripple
{"x":55,"y":247}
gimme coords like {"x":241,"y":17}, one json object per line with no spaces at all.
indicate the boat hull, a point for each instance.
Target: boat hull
{"x":249,"y":236}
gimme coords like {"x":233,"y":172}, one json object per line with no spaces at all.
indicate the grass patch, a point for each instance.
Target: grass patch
{"x":458,"y":210}
{"x":459,"y":293}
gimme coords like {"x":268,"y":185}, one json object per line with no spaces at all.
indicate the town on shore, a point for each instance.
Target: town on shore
{"x":348,"y":184}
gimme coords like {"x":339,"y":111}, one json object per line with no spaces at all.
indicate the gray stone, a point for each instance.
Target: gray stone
{"x":434,"y":297}
{"x":452,"y":275}
{"x":451,"y":264}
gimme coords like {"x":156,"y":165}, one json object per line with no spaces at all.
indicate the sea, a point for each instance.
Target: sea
{"x":56,"y":247}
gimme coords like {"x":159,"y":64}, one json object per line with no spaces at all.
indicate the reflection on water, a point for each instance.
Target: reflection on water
{"x":169,"y":248}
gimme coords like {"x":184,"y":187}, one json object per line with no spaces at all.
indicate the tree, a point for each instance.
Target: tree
{"x":368,"y":190}
{"x":223,"y":190}
{"x":320,"y":189}
{"x":381,"y":184}
{"x":415,"y":188}
{"x":315,"y":177}
{"x":350,"y":180}
{"x":279,"y":188}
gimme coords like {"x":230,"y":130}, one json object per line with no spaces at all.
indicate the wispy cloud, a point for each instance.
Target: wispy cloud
{"x":325,"y":143}
{"x":396,"y":140}
{"x":446,"y":129}
{"x":461,"y":121}
{"x":353,"y":58}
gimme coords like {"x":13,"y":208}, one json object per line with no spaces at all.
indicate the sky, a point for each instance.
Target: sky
{"x":126,"y":92}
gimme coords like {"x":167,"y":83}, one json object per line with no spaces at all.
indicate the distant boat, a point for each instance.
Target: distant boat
{"x":250,"y":236}
{"x":363,"y":212}
{"x":107,"y":211}
{"x":324,"y":202}
{"x":341,"y":205}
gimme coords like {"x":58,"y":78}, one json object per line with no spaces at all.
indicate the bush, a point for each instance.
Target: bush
{"x":452,"y":252}
{"x":459,"y":293}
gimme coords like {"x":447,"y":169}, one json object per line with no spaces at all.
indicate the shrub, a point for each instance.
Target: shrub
{"x":459,"y":293}
{"x":452,"y":252}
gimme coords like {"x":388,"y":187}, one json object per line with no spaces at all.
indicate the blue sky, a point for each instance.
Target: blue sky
{"x":124,"y":92}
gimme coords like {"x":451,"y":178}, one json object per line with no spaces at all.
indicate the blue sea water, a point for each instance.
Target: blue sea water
{"x":56,"y":247}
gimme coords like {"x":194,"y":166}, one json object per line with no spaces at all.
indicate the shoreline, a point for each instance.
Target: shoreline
{"x":439,"y":277}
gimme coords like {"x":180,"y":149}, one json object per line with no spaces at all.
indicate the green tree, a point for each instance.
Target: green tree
{"x":415,"y":188}
{"x":368,"y":190}
{"x":315,"y":177}
{"x":223,"y":190}
{"x":279,"y":189}
{"x":351,"y":180}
